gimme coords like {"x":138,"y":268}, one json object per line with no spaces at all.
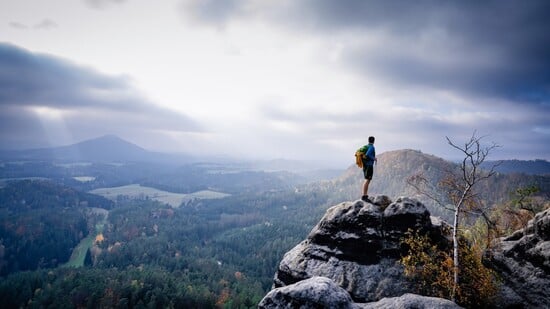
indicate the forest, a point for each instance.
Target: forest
{"x":211,"y":253}
{"x":208,"y":253}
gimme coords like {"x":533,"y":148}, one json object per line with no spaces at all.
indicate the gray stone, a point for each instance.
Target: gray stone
{"x":358,"y":246}
{"x":353,"y":253}
{"x":322,"y":292}
{"x":315,"y":292}
{"x":405,"y":213}
{"x":382,"y":201}
{"x":411,"y":301}
{"x":523,"y":262}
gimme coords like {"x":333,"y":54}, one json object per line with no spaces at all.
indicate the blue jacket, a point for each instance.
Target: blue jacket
{"x":370,"y":155}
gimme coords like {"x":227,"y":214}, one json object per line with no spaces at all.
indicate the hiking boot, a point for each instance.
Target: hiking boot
{"x":365,"y":198}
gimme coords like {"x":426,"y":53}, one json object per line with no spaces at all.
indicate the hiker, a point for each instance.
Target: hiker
{"x":368,"y":167}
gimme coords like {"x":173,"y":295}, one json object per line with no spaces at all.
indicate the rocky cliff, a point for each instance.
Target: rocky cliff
{"x":523,"y":262}
{"x":350,"y":259}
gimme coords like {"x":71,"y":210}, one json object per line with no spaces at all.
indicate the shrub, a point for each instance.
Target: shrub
{"x":430,"y":269}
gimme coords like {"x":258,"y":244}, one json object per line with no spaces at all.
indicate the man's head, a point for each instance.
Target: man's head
{"x":371,"y":139}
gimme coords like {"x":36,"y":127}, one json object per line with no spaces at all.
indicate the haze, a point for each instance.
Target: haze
{"x":277,"y":79}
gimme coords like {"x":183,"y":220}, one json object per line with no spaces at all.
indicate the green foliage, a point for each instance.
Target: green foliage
{"x":167,"y":177}
{"x":40,"y":223}
{"x":210,"y":253}
{"x":505,"y":218}
{"x":524,"y":198}
{"x":149,"y":287}
{"x":431,"y":271}
{"x":26,"y":195}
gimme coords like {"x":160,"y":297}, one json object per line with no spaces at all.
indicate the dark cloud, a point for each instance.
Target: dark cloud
{"x":489,"y":48}
{"x":30,"y":79}
{"x":84,"y":102}
{"x":494,"y":48}
{"x":489,"y":53}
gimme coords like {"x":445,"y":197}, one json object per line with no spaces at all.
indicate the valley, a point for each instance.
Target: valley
{"x":192,"y":235}
{"x":79,"y":253}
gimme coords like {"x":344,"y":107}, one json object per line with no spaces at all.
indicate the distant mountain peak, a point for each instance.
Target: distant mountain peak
{"x":107,"y":137}
{"x":109,"y":140}
{"x":108,"y":148}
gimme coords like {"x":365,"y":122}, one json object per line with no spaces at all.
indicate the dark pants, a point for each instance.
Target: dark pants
{"x":368,"y":171}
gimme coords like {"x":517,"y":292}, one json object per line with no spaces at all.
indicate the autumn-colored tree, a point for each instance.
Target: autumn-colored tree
{"x":457,"y":191}
{"x":431,"y":270}
{"x":478,"y":285}
{"x":427,"y":266}
{"x":510,"y":216}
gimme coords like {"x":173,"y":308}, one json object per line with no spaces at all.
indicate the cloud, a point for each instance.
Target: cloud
{"x":332,"y":73}
{"x":216,"y":13}
{"x":496,"y":49}
{"x":46,"y":23}
{"x":102,"y":4}
{"x":429,"y":69}
{"x":417,"y":126}
{"x":18,"y":25}
{"x":40,"y":93}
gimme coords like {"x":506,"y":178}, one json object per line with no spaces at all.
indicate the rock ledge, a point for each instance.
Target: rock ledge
{"x":354,"y":250}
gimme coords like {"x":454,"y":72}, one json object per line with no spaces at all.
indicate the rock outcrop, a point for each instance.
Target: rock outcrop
{"x":523,"y":262}
{"x":357,"y":246}
{"x":314,"y":292}
{"x":321,"y":292}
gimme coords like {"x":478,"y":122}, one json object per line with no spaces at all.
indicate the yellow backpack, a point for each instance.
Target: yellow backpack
{"x":360,"y":155}
{"x":359,"y":158}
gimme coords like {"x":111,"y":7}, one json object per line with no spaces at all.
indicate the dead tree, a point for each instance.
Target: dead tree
{"x":457,"y":190}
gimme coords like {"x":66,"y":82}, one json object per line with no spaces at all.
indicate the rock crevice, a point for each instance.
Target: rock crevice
{"x":523,"y":262}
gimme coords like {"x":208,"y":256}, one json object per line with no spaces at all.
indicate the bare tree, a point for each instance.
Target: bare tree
{"x":457,"y":190}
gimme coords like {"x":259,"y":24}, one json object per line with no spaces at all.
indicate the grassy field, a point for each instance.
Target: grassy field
{"x":79,"y":252}
{"x":170,"y":198}
{"x":84,"y":178}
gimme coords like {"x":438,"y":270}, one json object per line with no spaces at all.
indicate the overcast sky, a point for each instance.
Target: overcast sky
{"x":295,"y":79}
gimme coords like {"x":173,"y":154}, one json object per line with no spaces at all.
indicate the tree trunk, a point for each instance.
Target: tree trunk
{"x":455,"y":254}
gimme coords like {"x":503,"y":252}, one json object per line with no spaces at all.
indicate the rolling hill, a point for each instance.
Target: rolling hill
{"x":108,"y":148}
{"x":531,"y":167}
{"x":395,"y":167}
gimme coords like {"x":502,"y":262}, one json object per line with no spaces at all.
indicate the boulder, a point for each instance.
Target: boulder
{"x":358,"y":245}
{"x":322,"y":292}
{"x":523,"y":262}
{"x":315,"y":292}
{"x":411,"y":301}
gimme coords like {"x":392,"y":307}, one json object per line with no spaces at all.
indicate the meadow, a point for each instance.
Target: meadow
{"x":136,"y":191}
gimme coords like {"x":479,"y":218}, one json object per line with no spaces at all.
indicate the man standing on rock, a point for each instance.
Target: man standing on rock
{"x":368,"y":166}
